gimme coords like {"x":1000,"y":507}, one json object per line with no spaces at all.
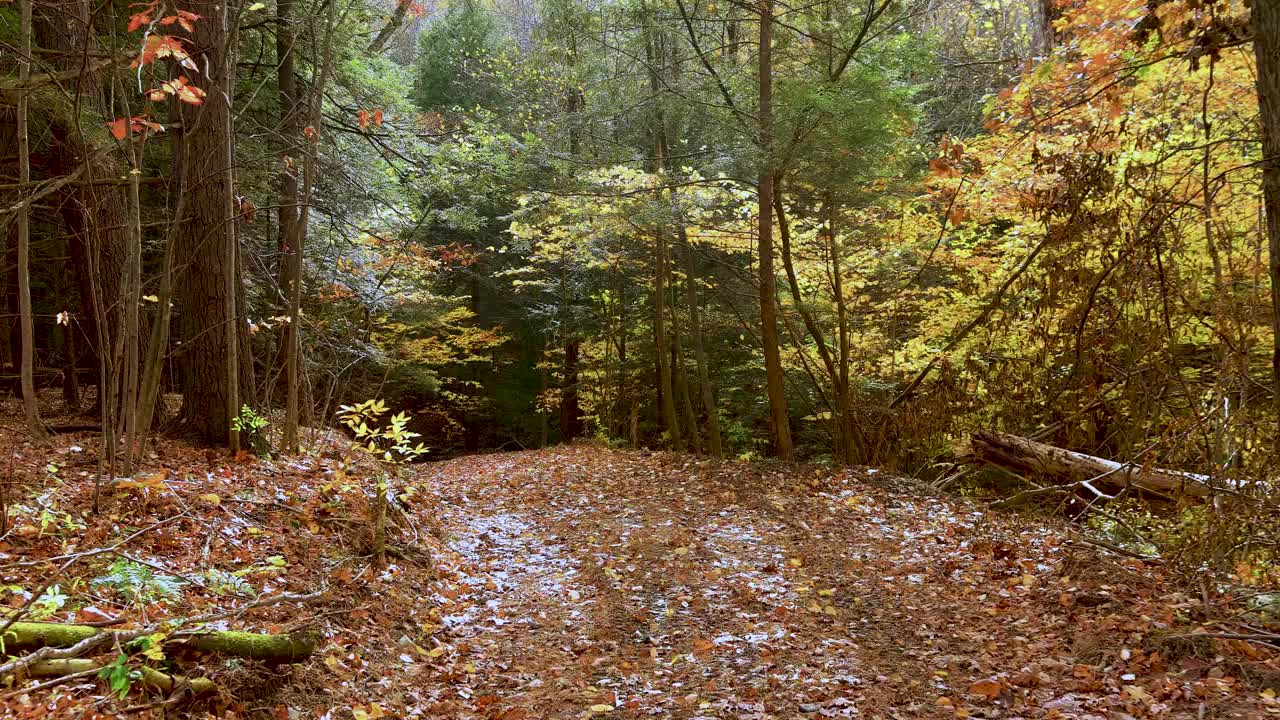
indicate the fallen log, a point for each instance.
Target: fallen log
{"x":1058,"y":466}
{"x":290,"y":647}
{"x":151,"y":678}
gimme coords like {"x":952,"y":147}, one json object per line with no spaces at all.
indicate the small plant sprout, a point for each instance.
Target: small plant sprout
{"x":390,"y":444}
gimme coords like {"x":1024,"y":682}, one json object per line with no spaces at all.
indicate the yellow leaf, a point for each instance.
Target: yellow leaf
{"x":601,"y":708}
{"x":211,"y":498}
{"x":436,"y":652}
{"x":375,"y":711}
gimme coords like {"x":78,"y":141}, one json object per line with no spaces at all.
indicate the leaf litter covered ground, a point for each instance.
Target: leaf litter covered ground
{"x":585,"y":582}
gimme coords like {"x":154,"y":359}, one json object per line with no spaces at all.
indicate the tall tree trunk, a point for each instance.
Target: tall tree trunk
{"x":315,"y":107}
{"x":1266,"y":45}
{"x":661,"y":346}
{"x":774,"y":379}
{"x":291,"y":135}
{"x":27,"y":371}
{"x":207,"y":241}
{"x":570,"y":405}
{"x":667,"y":399}
{"x":130,"y":299}
{"x":714,"y":443}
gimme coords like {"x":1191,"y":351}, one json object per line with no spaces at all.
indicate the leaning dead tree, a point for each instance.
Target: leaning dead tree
{"x":1057,"y":466}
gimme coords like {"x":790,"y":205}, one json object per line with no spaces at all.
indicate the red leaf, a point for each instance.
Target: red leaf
{"x":137,"y":20}
{"x":377,"y":117}
{"x":363,"y":118}
{"x":119,"y":128}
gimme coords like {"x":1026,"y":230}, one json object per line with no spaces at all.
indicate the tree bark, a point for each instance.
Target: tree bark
{"x":393,"y":23}
{"x":570,"y":409}
{"x":1266,"y":47}
{"x":679,"y":376}
{"x":207,"y":242}
{"x":1038,"y":460}
{"x":296,"y":378}
{"x":714,"y":442}
{"x":774,"y":379}
{"x":667,"y":400}
{"x":291,"y":133}
{"x":28,"y":359}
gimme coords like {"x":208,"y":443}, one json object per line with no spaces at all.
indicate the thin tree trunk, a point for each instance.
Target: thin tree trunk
{"x":570,"y":403}
{"x":667,"y":398}
{"x":774,"y":379}
{"x":661,"y":346}
{"x":678,"y":370}
{"x":232,"y":240}
{"x":27,"y":380}
{"x":714,"y":444}
{"x":843,"y":403}
{"x":291,"y":132}
{"x":152,"y":370}
{"x":131,"y":298}
{"x":1266,"y":46}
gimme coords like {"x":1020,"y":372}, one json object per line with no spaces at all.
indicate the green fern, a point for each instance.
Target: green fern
{"x":222,"y":582}
{"x":139,"y":582}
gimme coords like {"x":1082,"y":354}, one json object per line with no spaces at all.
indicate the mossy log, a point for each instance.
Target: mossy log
{"x":291,"y":647}
{"x":151,"y":678}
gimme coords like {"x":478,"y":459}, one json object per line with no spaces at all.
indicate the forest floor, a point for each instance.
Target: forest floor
{"x":581,"y":582}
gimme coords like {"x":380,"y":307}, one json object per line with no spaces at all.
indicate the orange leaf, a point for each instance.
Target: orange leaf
{"x":989,"y":689}
{"x":363,"y":118}
{"x":119,"y":128}
{"x":377,"y":117}
{"x":941,"y":168}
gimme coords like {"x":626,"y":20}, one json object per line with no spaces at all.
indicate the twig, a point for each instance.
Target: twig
{"x":1119,"y":550}
{"x":1266,"y":638}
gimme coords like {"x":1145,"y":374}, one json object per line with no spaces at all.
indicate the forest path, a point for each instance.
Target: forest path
{"x":584,"y":581}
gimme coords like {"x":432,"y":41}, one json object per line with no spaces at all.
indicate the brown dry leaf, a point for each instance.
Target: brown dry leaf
{"x":989,"y":688}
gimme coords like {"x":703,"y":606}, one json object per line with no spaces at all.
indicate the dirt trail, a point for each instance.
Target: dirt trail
{"x":585,"y":582}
